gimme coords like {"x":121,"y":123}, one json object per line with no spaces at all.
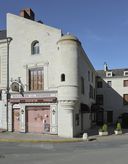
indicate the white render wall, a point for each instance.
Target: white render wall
{"x":24,"y":32}
{"x":3,"y":63}
{"x":3,"y":82}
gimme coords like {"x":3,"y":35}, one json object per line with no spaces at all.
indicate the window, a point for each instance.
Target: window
{"x":99,"y":99}
{"x":125,"y":83}
{"x":36,"y":79}
{"x":99,"y":84}
{"x":77,"y":119}
{"x":35,"y":47}
{"x":82,"y":85}
{"x":62,"y":77}
{"x":88,"y":75}
{"x":109,"y":83}
{"x":91,"y":92}
{"x":92,"y":77}
{"x":125,"y":73}
{"x":94,"y":93}
{"x":125,"y":99}
{"x":108,"y":74}
{"x":0,"y":94}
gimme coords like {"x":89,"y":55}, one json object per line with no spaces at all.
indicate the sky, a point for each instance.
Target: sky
{"x":100,"y":25}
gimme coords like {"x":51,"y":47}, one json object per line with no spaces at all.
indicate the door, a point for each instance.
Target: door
{"x":16,"y":120}
{"x":99,"y":118}
{"x":38,"y":119}
{"x":109,"y":116}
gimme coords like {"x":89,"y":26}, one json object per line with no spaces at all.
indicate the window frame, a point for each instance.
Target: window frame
{"x":100,"y":84}
{"x":36,"y":79}
{"x":89,"y":76}
{"x":125,"y":73}
{"x":82,"y":85}
{"x":109,"y":74}
{"x":101,"y":102}
{"x":62,"y":77}
{"x":91,"y":90}
{"x":109,"y":83}
{"x":34,"y":48}
{"x":124,"y":83}
{"x":125,"y":102}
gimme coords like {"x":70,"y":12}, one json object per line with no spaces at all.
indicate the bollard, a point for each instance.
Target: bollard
{"x":85,"y":136}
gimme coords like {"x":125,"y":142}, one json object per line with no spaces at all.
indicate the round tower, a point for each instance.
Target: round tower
{"x":68,"y":48}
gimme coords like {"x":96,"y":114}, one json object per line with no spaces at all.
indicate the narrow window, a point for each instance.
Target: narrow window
{"x":0,"y":94}
{"x":62,"y":77}
{"x":91,"y":92}
{"x":82,"y":85}
{"x":88,"y":75}
{"x":92,"y":77}
{"x":35,"y":48}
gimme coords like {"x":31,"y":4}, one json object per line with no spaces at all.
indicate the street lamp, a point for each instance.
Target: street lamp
{"x":9,"y":39}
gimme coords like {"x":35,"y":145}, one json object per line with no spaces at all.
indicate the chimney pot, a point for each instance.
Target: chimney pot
{"x":27,"y":13}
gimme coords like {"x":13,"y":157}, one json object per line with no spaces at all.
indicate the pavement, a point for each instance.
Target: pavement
{"x":36,"y":138}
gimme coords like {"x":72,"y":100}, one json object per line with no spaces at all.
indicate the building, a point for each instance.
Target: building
{"x":3,"y":78}
{"x":51,"y":80}
{"x":112,"y":94}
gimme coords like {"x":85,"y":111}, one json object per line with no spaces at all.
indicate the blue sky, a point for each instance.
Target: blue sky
{"x":100,"y":25}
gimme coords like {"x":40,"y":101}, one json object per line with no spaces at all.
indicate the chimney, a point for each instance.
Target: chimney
{"x":105,"y":67}
{"x":27,"y":13}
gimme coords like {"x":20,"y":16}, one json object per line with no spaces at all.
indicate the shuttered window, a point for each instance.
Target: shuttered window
{"x":36,"y":79}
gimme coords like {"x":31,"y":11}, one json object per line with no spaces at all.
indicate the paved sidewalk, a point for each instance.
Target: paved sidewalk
{"x":93,"y":133}
{"x":30,"y":137}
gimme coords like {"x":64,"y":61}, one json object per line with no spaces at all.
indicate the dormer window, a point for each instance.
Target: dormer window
{"x":108,"y":74}
{"x":125,"y":73}
{"x":35,"y":47}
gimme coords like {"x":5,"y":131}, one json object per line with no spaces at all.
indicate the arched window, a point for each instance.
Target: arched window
{"x":62,"y":77}
{"x":35,"y":49}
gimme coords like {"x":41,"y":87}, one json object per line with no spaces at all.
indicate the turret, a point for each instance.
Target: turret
{"x":68,"y":48}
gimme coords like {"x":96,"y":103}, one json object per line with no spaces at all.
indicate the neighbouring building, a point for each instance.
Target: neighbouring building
{"x":112,"y":95}
{"x":52,"y":82}
{"x":3,"y":78}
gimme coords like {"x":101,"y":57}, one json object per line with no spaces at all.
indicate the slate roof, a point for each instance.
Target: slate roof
{"x":3,"y":34}
{"x":115,"y":72}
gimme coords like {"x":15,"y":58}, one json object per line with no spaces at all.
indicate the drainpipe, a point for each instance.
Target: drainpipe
{"x":9,"y":39}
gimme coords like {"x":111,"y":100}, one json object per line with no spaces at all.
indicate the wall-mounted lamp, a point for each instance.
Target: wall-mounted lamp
{"x":22,"y":111}
{"x":53,"y":111}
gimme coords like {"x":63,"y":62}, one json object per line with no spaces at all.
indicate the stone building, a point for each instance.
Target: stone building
{"x":52,"y":81}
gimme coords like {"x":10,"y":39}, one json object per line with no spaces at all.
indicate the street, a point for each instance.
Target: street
{"x":92,"y":152}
